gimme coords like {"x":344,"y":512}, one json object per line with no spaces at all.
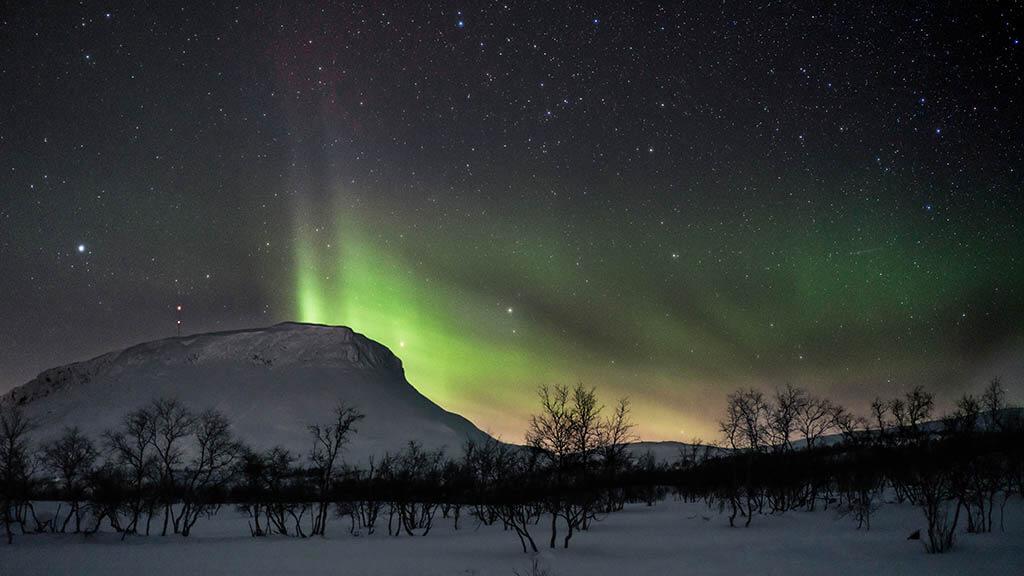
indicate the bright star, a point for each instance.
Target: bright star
{"x":81,"y":248}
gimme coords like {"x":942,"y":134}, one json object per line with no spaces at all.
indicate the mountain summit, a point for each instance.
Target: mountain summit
{"x":271,"y":382}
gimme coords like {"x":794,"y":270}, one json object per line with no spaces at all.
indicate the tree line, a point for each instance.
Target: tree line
{"x":165,"y":468}
{"x":792,"y":450}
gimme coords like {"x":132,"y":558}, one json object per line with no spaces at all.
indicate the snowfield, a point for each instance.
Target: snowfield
{"x":273,"y":382}
{"x":669,"y":538}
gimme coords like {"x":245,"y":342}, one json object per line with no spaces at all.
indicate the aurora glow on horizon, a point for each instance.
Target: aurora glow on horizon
{"x":669,"y":332}
{"x":667,"y":202}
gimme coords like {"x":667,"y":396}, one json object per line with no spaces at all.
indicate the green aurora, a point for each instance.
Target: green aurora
{"x":482,"y":314}
{"x":674,"y":200}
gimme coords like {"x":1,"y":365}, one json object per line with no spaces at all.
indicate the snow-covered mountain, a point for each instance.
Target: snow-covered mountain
{"x":271,"y":382}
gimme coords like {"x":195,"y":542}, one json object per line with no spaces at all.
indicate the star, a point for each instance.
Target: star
{"x":390,"y":218}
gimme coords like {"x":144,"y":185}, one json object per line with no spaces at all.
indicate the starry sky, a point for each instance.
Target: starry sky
{"x":663,"y":200}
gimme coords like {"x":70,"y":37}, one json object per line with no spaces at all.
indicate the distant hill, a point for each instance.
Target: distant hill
{"x":669,"y":452}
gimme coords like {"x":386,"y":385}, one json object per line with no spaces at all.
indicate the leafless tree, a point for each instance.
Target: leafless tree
{"x":880,"y":416}
{"x":212,"y":467}
{"x":15,"y":466}
{"x":328,"y":442}
{"x":71,"y":458}
{"x":912,"y":411}
{"x":551,"y":432}
{"x":747,"y":430}
{"x":854,"y":429}
{"x":586,"y":429}
{"x":410,"y":473}
{"x":980,"y":477}
{"x":500,"y":475}
{"x":815,"y":418}
{"x":587,"y":433}
{"x":570,"y":431}
{"x":266,"y":482}
{"x":859,"y":491}
{"x":131,"y":449}
{"x":783,"y":415}
{"x":746,"y":425}
{"x":365,"y":511}
{"x":993,"y":402}
{"x":966,"y":416}
{"x":173,"y":423}
{"x":933,"y":491}
{"x":616,"y":434}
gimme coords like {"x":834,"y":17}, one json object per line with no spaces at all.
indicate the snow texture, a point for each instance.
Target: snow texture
{"x":670,"y":538}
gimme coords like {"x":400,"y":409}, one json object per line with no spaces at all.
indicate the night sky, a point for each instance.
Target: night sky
{"x":665,"y":201}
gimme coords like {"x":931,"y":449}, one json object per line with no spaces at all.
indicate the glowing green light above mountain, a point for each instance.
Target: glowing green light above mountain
{"x":481,"y":315}
{"x":458,"y":350}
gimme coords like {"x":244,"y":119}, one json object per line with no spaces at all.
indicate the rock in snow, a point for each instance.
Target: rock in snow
{"x":271,"y":382}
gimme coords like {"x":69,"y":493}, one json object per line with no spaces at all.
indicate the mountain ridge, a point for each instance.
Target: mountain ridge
{"x":272,"y":382}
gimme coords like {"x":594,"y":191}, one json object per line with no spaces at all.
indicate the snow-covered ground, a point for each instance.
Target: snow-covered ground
{"x":670,"y":538}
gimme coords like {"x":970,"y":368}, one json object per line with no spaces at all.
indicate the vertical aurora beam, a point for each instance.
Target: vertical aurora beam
{"x":308,"y":288}
{"x":356,"y":280}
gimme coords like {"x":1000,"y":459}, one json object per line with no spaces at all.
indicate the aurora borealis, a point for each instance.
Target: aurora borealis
{"x":470,"y":332}
{"x":666,"y":202}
